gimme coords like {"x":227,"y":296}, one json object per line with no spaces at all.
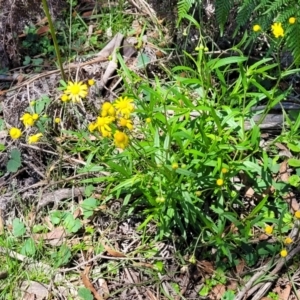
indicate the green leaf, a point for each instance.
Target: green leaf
{"x":56,"y":217}
{"x":18,"y":228}
{"x":88,"y":206}
{"x":15,"y":161}
{"x":293,"y":162}
{"x":71,"y":224}
{"x":62,"y":256}
{"x":143,"y":60}
{"x":85,"y":294}
{"x":217,"y":63}
{"x":29,"y":248}
{"x":293,"y":147}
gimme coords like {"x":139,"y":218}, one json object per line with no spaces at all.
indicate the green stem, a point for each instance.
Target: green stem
{"x":52,"y":31}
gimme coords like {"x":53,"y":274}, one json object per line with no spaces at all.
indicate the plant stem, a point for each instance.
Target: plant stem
{"x":52,"y":31}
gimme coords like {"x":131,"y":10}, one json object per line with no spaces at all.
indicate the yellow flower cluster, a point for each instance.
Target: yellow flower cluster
{"x":118,"y":112}
{"x":28,"y":121}
{"x":276,"y":28}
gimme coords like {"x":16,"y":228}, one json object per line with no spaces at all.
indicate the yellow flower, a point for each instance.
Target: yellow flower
{"x":198,"y":193}
{"x":125,"y":123}
{"x":277,"y":30}
{"x":15,"y":133}
{"x":148,"y":120}
{"x":28,"y":119}
{"x":64,"y":98}
{"x":32,"y":139}
{"x":121,"y":139}
{"x":91,"y":82}
{"x":175,"y":166}
{"x":35,"y":117}
{"x":102,"y":123}
{"x":106,"y":106}
{"x":57,"y":120}
{"x":92,"y":126}
{"x":268,"y":229}
{"x":288,"y":240}
{"x":220,"y":182}
{"x":124,"y":106}
{"x":224,"y":170}
{"x":108,"y":110}
{"x":297,"y":214}
{"x":283,"y":253}
{"x":292,"y":20}
{"x":256,"y":28}
{"x":76,"y":91}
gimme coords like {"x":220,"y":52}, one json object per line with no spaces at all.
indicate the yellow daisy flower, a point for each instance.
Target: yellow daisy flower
{"x":288,"y":240}
{"x":32,"y":139}
{"x":256,"y":28}
{"x":28,"y":119}
{"x":15,"y":133}
{"x":57,"y":120}
{"x":277,"y":30}
{"x":64,"y":98}
{"x":297,"y":214}
{"x":124,"y":106}
{"x":102,"y":124}
{"x":76,"y":91}
{"x":121,"y":139}
{"x":283,"y":253}
{"x":148,"y":120}
{"x":220,"y":182}
{"x":91,"y":82}
{"x":125,"y":123}
{"x":224,"y":170}
{"x":92,"y":126}
{"x":268,"y":229}
{"x":292,"y":20}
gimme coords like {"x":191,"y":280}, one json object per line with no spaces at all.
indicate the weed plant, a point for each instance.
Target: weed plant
{"x":178,"y":154}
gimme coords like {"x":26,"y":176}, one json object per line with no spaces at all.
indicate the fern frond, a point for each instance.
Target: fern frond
{"x":245,"y":12}
{"x":276,"y":5}
{"x":292,"y":41}
{"x":183,"y":7}
{"x":222,"y":11}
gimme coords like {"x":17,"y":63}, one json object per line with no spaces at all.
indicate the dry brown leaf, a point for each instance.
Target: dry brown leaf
{"x":283,"y":292}
{"x":42,"y":30}
{"x":205,"y":266}
{"x":112,"y":252}
{"x":232,"y":285}
{"x":240,"y":266}
{"x":217,"y":292}
{"x":263,"y":237}
{"x":87,"y":283}
{"x":291,"y":199}
{"x":283,"y":174}
{"x":54,"y":238}
{"x":142,"y":264}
